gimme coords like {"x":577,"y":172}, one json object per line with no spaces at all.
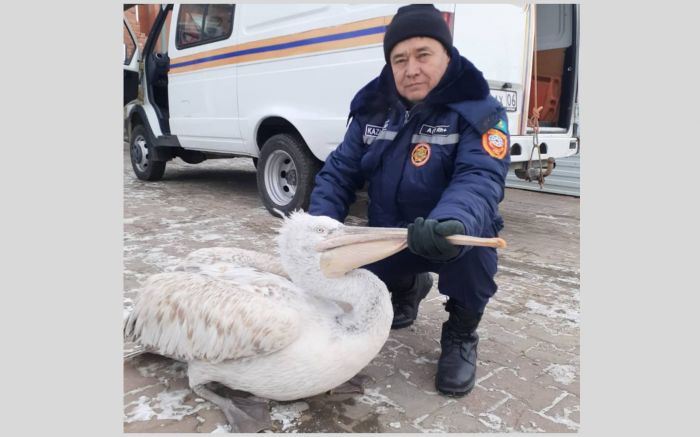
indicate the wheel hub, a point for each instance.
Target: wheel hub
{"x":280,"y":177}
{"x":136,"y":154}
{"x":292,"y":177}
{"x":139,"y":153}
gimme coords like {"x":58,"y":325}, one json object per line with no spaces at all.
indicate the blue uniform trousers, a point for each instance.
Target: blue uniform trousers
{"x":468,"y":280}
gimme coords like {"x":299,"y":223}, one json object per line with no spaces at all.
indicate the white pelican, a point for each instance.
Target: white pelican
{"x":260,"y":332}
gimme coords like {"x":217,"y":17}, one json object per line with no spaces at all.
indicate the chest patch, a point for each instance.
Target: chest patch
{"x":495,"y":143}
{"x":420,"y":154}
{"x":434,"y":130}
{"x":372,"y":130}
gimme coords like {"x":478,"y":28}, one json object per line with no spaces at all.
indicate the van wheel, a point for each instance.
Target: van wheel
{"x":142,"y":161}
{"x":286,"y":172}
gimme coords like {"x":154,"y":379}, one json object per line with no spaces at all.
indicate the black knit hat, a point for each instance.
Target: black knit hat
{"x":416,"y":20}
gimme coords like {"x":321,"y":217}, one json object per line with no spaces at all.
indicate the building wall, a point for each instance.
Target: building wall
{"x":141,"y":19}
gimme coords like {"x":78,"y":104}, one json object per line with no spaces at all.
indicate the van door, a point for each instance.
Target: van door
{"x":131,"y":64}
{"x":202,"y":78}
{"x":495,"y":38}
{"x":556,"y":64}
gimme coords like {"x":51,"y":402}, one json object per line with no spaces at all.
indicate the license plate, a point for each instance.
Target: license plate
{"x":509,"y":99}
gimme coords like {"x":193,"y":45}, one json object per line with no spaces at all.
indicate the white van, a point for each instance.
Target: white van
{"x":274,"y":82}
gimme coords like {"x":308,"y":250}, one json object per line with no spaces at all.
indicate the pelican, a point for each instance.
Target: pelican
{"x":277,"y":330}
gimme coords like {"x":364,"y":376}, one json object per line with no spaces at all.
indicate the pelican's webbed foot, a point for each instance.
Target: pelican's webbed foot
{"x":247,"y":415}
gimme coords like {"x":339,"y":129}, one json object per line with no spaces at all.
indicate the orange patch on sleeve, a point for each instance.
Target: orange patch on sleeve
{"x":495,"y":143}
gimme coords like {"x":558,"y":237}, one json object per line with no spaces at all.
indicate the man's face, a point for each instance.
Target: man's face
{"x":418,"y":64}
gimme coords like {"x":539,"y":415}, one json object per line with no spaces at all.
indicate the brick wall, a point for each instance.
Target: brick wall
{"x":141,"y":27}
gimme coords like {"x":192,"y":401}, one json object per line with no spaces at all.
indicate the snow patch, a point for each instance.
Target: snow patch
{"x":222,"y":428}
{"x":210,"y":237}
{"x":374,"y":398}
{"x":491,"y":420}
{"x":554,"y":311}
{"x":141,"y":411}
{"x":562,"y":373}
{"x":168,"y":405}
{"x":288,"y":414}
{"x":424,"y":360}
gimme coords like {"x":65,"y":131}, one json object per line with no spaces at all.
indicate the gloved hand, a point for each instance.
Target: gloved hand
{"x":427,"y":238}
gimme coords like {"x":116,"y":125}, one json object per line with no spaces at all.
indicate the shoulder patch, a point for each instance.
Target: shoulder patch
{"x":495,"y":143}
{"x":502,"y":125}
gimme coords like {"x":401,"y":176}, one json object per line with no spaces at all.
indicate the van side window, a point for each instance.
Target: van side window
{"x":199,"y":24}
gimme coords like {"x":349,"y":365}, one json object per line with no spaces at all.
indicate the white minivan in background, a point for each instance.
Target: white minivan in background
{"x":274,"y":82}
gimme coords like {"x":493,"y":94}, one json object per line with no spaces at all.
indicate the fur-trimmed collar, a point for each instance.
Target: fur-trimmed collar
{"x":461,"y":81}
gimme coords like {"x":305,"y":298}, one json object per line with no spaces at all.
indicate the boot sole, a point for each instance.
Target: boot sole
{"x":456,"y":393}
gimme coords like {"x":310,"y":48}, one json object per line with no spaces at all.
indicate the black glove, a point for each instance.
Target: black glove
{"x":427,"y":238}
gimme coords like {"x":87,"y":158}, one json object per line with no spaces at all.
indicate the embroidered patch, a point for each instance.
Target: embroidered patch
{"x":433,"y":130}
{"x":495,"y":143}
{"x":502,"y":126}
{"x":372,"y":130}
{"x":420,"y":154}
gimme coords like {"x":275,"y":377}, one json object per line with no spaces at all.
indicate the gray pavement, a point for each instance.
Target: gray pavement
{"x":528,"y":374}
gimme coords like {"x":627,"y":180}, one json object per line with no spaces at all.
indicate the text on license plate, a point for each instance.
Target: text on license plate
{"x":509,"y":99}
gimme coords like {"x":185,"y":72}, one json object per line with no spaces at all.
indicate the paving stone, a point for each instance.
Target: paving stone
{"x":133,"y":379}
{"x":567,"y":339}
{"x":564,"y":410}
{"x":149,"y":391}
{"x":530,"y":421}
{"x":210,"y":419}
{"x":480,"y":400}
{"x":535,"y":395}
{"x":452,"y":417}
{"x":547,"y":353}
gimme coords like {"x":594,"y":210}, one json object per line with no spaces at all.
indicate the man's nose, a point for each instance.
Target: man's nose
{"x":412,"y":68}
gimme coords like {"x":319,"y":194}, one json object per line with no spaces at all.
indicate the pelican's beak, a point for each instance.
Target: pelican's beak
{"x":360,"y":234}
{"x":356,"y":230}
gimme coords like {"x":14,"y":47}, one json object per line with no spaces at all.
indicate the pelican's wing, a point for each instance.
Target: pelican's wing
{"x":263,"y":262}
{"x":193,"y":316}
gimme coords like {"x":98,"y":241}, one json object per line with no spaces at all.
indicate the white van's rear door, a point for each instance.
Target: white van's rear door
{"x":495,"y":38}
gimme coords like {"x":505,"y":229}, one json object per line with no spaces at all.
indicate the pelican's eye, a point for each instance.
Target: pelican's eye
{"x":320,"y":230}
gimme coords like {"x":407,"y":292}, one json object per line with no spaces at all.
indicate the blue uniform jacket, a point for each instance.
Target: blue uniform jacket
{"x":442,"y":159}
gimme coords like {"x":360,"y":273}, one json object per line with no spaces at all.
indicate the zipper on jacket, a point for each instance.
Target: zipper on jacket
{"x":410,"y":112}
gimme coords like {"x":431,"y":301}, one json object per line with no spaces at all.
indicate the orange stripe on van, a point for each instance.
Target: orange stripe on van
{"x":278,"y":53}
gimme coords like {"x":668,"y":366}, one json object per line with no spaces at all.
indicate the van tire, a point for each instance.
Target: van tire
{"x":145,"y":167}
{"x":285,"y":173}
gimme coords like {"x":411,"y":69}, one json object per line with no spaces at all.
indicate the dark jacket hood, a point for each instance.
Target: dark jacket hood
{"x":462,"y":81}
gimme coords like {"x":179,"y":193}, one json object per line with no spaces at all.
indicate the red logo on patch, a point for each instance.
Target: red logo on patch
{"x":420,"y":154}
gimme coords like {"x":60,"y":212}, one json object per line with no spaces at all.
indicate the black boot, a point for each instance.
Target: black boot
{"x":406,"y":301}
{"x":456,"y":372}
